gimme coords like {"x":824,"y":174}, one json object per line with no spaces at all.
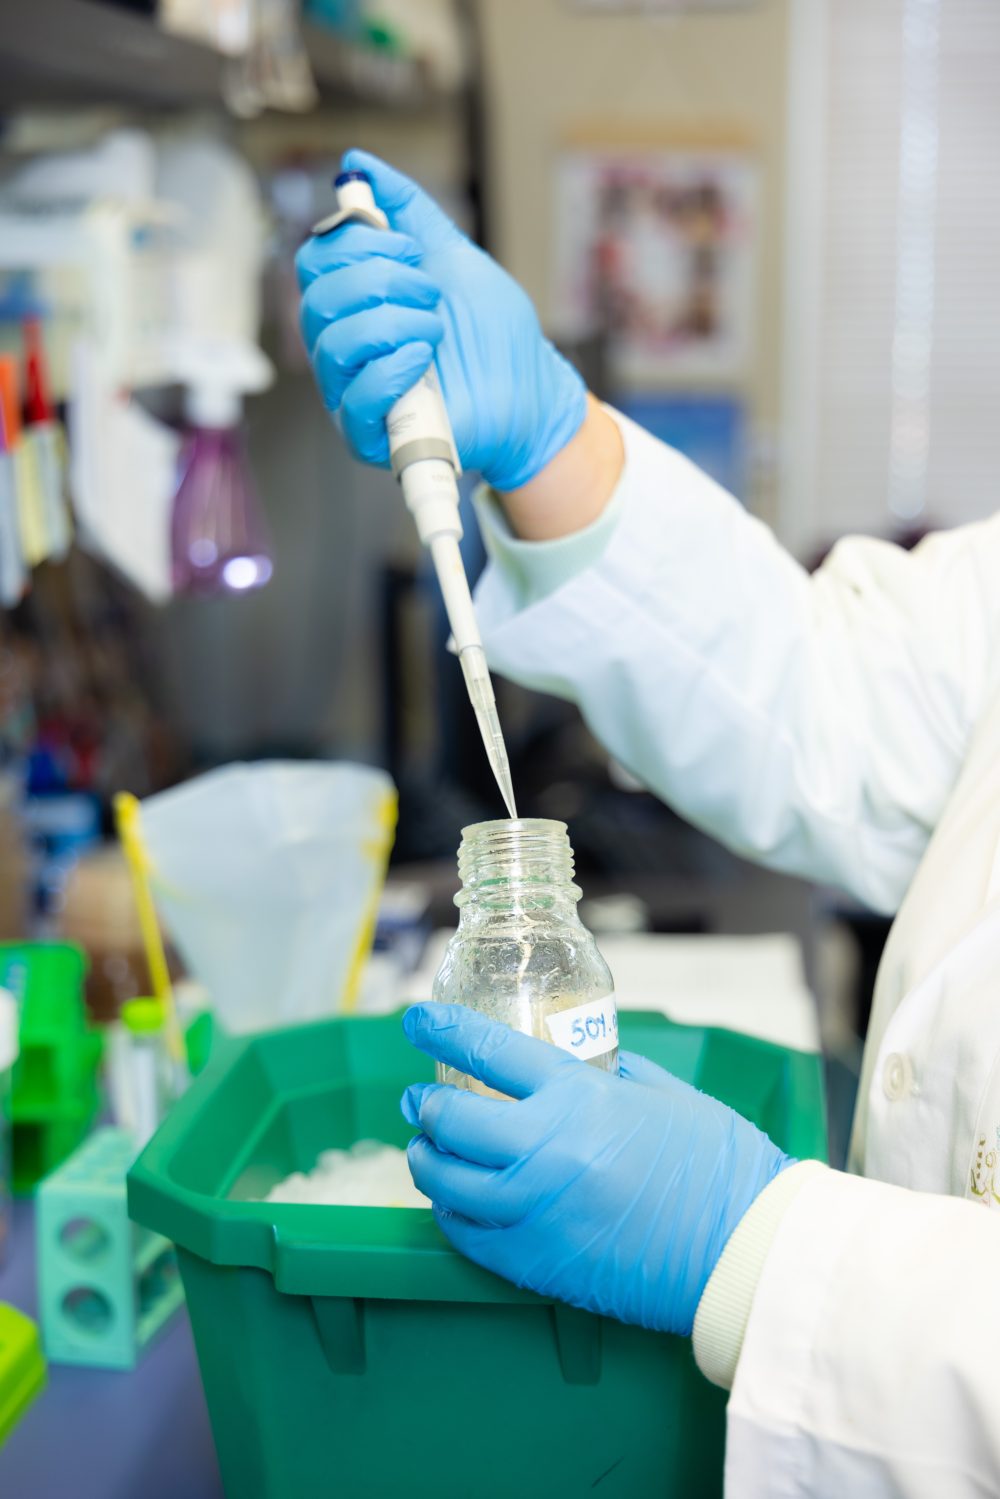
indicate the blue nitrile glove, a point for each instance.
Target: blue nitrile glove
{"x":616,"y":1194}
{"x":376,"y":308}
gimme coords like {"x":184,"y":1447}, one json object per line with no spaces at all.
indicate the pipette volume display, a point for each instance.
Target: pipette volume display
{"x":425,"y":461}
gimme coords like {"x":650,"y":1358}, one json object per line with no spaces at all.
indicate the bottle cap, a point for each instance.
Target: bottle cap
{"x":143,"y":1017}
{"x":213,"y":407}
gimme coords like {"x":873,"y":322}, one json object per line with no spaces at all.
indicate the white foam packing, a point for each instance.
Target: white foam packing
{"x":369,"y":1174}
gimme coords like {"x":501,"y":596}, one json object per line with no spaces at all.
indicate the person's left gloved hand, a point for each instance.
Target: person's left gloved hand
{"x":616,"y":1194}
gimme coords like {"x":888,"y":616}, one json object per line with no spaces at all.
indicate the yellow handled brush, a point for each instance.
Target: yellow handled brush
{"x":128,"y":821}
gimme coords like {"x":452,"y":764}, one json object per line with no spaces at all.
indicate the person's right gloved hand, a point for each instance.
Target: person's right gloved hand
{"x":378,"y":306}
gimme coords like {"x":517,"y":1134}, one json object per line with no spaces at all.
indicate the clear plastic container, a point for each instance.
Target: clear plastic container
{"x":521,"y":954}
{"x":148,"y":1084}
{"x":268,"y":877}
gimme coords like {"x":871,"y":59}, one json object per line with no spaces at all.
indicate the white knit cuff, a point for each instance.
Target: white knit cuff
{"x":724,"y":1309}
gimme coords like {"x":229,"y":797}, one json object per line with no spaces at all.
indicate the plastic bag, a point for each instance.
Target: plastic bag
{"x":268,"y":878}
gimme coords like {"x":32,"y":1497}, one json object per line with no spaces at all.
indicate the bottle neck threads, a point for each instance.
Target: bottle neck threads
{"x":516,"y":858}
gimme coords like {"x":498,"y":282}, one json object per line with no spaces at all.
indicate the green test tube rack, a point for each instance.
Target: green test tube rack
{"x":106,"y":1286}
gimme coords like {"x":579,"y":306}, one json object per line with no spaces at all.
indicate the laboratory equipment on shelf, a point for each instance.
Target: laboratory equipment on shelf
{"x":426,"y":463}
{"x":521,"y":953}
{"x":220,"y":540}
{"x":219,"y":537}
{"x":45,"y":446}
{"x":13,"y":573}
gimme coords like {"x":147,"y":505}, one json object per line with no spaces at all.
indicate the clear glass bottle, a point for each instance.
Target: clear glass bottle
{"x":521,"y":954}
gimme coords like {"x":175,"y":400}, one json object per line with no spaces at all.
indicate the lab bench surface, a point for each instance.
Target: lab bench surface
{"x":96,"y":1434}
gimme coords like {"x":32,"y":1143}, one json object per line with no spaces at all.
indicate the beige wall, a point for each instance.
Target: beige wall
{"x":552,"y":71}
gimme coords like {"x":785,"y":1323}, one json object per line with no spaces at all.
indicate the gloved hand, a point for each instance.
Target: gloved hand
{"x":616,"y":1194}
{"x":376,"y":308}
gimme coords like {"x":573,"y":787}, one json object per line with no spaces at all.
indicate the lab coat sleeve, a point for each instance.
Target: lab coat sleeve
{"x":816,"y":723}
{"x":868,"y":1366}
{"x":723,"y":1311}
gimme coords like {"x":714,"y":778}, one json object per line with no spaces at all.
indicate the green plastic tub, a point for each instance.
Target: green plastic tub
{"x":351,"y":1352}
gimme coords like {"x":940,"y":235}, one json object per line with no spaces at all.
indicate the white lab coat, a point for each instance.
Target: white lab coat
{"x":845,"y":727}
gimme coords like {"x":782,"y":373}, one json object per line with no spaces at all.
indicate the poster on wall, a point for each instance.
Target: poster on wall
{"x":708,"y":427}
{"x":655,"y":247}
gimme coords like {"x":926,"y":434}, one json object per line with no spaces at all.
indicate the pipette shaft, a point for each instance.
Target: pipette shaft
{"x":425,"y":461}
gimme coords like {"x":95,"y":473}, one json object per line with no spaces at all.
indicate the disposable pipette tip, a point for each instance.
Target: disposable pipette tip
{"x":502,"y":773}
{"x":496,"y":752}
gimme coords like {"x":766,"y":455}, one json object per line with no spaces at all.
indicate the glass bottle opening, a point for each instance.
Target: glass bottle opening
{"x":517,"y":855}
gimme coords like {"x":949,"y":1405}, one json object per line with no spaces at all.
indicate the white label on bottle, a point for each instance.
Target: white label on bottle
{"x":587,"y":1030}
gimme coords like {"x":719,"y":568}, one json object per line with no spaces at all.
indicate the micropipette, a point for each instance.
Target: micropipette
{"x":426,"y":463}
